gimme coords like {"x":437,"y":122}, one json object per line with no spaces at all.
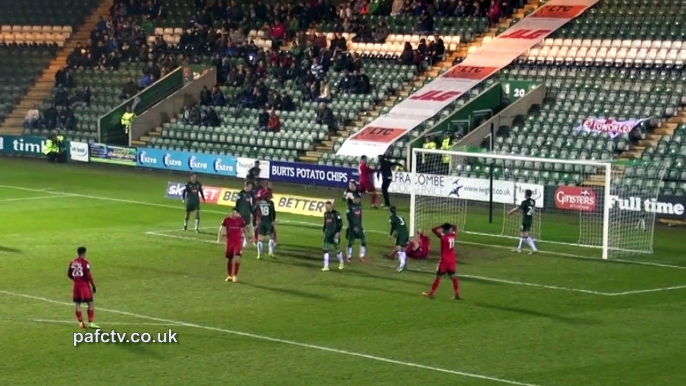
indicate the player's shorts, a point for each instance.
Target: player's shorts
{"x":366,"y":187}
{"x":82,"y":293}
{"x":265,"y":229}
{"x":234,"y":248}
{"x":446,"y":268}
{"x":247,"y":218}
{"x":192,"y":206}
{"x":402,"y":240}
{"x":526,"y":227}
{"x":330,"y":242}
{"x":352,"y":236}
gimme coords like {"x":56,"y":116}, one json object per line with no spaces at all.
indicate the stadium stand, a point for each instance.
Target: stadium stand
{"x":63,"y":24}
{"x":302,"y":136}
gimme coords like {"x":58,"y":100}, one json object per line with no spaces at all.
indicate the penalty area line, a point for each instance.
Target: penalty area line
{"x":286,"y":342}
{"x":177,"y":207}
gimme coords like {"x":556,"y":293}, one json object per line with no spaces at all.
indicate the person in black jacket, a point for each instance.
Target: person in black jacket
{"x":385,"y":169}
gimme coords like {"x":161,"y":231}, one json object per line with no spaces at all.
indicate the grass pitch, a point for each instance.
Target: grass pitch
{"x":546,"y":320}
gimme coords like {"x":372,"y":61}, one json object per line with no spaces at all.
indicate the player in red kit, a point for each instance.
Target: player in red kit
{"x":448,"y":264}
{"x":79,"y":272}
{"x":419,"y":248}
{"x":234,"y":228}
{"x":367,"y":179}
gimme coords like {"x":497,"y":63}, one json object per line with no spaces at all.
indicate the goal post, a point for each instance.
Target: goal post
{"x":577,"y":202}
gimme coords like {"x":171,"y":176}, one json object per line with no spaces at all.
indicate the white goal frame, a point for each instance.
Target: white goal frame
{"x":605,"y":165}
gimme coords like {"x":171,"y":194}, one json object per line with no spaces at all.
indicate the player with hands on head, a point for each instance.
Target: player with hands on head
{"x":333,"y":224}
{"x":448,"y":263}
{"x":233,"y":227}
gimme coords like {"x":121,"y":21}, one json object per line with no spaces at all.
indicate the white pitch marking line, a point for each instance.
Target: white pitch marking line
{"x":287,"y":342}
{"x":673,"y":288}
{"x":50,"y":321}
{"x":152,"y":204}
{"x":181,"y":237}
{"x":53,"y":196}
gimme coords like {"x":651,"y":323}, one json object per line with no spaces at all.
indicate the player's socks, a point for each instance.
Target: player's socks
{"x":456,"y":286}
{"x":197,"y":224}
{"x":403,"y":260}
{"x":185,"y":224}
{"x":229,"y":268}
{"x":91,"y":315}
{"x":521,"y":244}
{"x":236,"y":267}
{"x":341,"y":264}
{"x":363,"y":252}
{"x":259,"y":249}
{"x":435,"y":285}
{"x":532,"y":245}
{"x":374,"y":198}
{"x":326,"y":260}
{"x":79,"y":316}
{"x":245,"y":242}
{"x":271,"y":247}
{"x":350,"y":252}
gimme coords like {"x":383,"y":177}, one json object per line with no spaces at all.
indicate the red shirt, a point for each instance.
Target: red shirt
{"x":80,"y":271}
{"x":447,"y":244}
{"x":366,"y":173}
{"x":234,"y":228}
{"x":265,"y":193}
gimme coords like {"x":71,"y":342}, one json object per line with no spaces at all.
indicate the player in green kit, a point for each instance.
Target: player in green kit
{"x":244,"y":206}
{"x":402,"y":237}
{"x":355,"y":230}
{"x":333,"y":224}
{"x":527,"y":207}
{"x":191,"y":197}
{"x":266,"y":218}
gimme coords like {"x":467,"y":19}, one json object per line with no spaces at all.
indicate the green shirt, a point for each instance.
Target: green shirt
{"x":355,"y":217}
{"x":193,"y":192}
{"x":399,"y":225}
{"x":244,"y":204}
{"x":527,"y":207}
{"x":333,"y":223}
{"x":266,"y":211}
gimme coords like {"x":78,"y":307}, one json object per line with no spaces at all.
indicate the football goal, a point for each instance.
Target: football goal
{"x":606,"y":205}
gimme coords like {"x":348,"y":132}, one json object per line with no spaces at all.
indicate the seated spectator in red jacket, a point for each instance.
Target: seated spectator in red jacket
{"x":279,"y":31}
{"x":274,"y":122}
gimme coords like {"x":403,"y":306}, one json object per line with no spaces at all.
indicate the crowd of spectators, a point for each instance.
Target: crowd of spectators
{"x":494,"y":10}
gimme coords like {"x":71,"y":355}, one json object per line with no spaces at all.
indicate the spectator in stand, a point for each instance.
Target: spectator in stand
{"x":346,"y":84}
{"x":324,"y":92}
{"x":423,"y":48}
{"x":130,"y":89}
{"x":32,"y":118}
{"x":494,"y":12}
{"x":50,"y":117}
{"x":83,"y":98}
{"x":460,"y":9}
{"x":61,"y":96}
{"x":325,"y":117}
{"x":191,"y":115}
{"x":205,"y":97}
{"x":362,"y":84}
{"x":274,"y":122}
{"x":397,"y":7}
{"x":407,"y":56}
{"x":66,"y":119}
{"x":287,"y":103}
{"x":218,"y":97}
{"x":437,"y":49}
{"x":338,"y":42}
{"x":278,"y":34}
{"x":476,"y":9}
{"x":380,"y":33}
{"x":345,"y":12}
{"x":211,"y":118}
{"x":147,"y":80}
{"x":263,"y":120}
{"x":425,"y":25}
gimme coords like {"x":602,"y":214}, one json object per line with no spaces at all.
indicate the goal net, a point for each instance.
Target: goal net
{"x":596,"y":204}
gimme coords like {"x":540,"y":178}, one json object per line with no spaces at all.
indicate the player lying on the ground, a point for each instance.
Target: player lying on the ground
{"x":79,"y":272}
{"x":191,"y":197}
{"x":527,"y":207}
{"x":333,"y":224}
{"x":448,"y":263}
{"x":402,"y":236}
{"x":244,"y":206}
{"x":419,"y":248}
{"x":234,"y":229}
{"x":355,"y":230}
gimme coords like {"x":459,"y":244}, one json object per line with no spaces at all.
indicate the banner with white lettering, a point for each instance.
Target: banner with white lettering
{"x":612,"y":127}
{"x":472,"y":189}
{"x":477,"y":67}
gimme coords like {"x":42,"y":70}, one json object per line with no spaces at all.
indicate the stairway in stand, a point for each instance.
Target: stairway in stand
{"x":13,"y":125}
{"x":327,"y":146}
